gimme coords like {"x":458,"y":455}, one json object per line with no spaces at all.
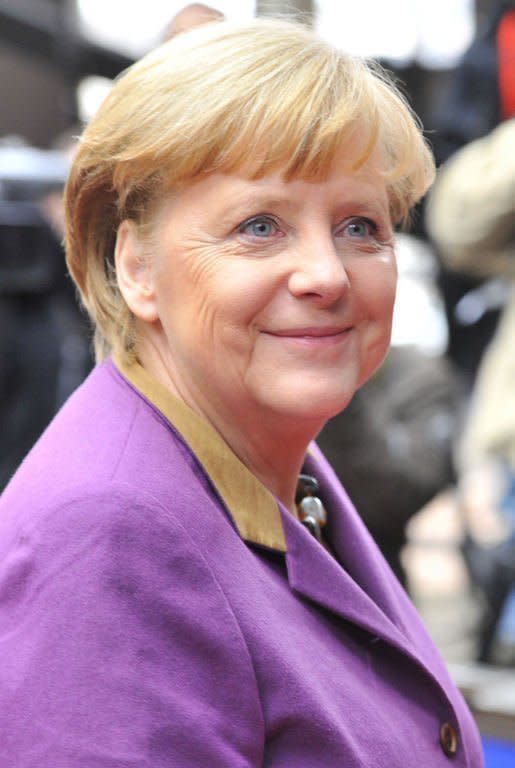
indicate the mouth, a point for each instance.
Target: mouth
{"x":311,"y":333}
{"x":312,"y":337}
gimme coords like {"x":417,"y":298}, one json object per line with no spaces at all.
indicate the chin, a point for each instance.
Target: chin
{"x":310,"y":401}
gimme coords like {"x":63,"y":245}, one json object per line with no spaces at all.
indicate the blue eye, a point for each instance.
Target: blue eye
{"x":259,"y":226}
{"x":359,"y":227}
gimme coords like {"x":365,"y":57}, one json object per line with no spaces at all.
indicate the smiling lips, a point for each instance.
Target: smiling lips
{"x":315,"y":335}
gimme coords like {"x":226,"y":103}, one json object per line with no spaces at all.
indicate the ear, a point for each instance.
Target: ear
{"x":134,"y":272}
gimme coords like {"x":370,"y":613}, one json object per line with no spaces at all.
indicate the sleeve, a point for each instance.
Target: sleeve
{"x":118,"y":649}
{"x":470,"y":210}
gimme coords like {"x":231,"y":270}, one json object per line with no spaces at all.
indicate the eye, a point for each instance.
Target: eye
{"x":259,"y":226}
{"x":358,"y":227}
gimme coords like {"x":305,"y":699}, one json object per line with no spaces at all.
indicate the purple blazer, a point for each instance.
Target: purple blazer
{"x":140,"y":629}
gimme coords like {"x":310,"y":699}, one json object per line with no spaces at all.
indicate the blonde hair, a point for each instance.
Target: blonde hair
{"x":257,"y":97}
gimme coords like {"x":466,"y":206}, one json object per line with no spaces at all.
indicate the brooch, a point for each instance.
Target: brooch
{"x":310,"y":509}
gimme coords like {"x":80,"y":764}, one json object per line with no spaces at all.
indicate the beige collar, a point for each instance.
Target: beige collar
{"x":252,"y":507}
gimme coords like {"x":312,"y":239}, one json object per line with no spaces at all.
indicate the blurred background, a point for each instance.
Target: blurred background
{"x":427,"y":448}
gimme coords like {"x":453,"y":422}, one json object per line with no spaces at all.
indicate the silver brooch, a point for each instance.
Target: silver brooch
{"x":311,"y":511}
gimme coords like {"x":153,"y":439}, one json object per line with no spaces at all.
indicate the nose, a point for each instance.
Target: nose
{"x":319,"y":272}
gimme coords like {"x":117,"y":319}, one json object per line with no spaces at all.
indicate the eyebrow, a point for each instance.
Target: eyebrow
{"x":264,"y":201}
{"x":247,"y":205}
{"x":367,"y":208}
{"x":267,"y":201}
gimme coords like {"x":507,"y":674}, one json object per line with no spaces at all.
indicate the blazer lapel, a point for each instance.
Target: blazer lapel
{"x":354,"y":546}
{"x":360,"y":587}
{"x":316,"y":575}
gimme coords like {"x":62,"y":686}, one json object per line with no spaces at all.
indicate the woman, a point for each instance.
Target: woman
{"x":230,"y":219}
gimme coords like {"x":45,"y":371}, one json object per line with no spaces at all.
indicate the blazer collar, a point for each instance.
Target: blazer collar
{"x":251,"y":506}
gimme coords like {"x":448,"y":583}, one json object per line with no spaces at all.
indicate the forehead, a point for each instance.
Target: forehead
{"x":224,"y":198}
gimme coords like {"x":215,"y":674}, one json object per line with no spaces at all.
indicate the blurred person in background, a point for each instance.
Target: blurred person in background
{"x":392,"y":447}
{"x":478,"y":100}
{"x":191,"y":16}
{"x":43,"y":336}
{"x":29,"y":336}
{"x":471,"y":218}
{"x":184,"y":580}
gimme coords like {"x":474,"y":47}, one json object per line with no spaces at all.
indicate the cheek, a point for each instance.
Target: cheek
{"x":218,"y":300}
{"x":385,"y":298}
{"x":243,"y":290}
{"x":377,"y":285}
{"x":185,"y":283}
{"x":377,"y":300}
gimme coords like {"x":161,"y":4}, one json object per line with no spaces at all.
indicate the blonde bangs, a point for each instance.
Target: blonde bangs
{"x":291,"y":103}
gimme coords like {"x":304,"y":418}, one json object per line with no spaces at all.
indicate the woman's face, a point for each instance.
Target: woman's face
{"x":273,"y":296}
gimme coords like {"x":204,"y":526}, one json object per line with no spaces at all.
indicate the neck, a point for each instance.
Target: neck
{"x":271,"y":445}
